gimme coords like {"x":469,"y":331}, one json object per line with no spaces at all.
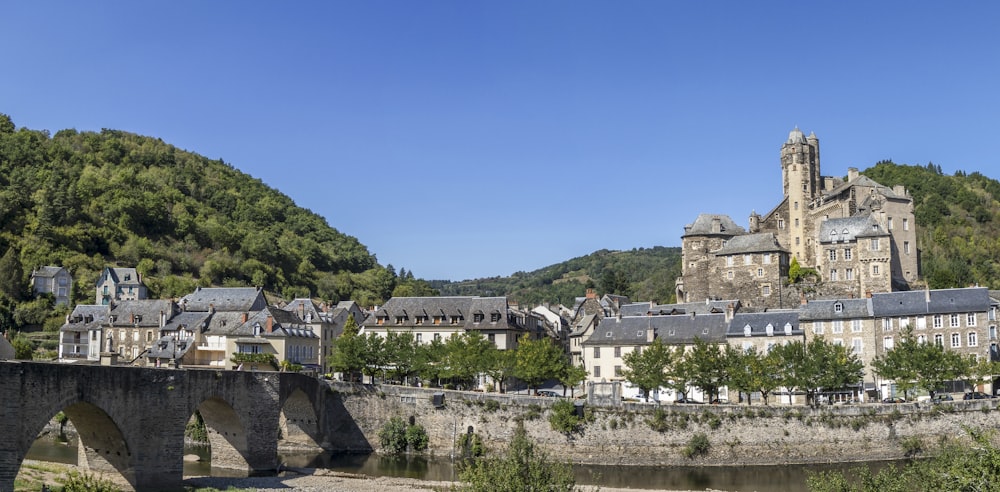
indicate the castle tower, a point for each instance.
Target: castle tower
{"x":800,"y":177}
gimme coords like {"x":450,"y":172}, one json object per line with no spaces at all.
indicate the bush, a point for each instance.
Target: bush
{"x":471,"y":445}
{"x":520,"y":468}
{"x":85,"y":482}
{"x":658,"y":422}
{"x":491,"y":405}
{"x":563,"y":417}
{"x":416,"y":437}
{"x":396,"y":437}
{"x":697,"y":446}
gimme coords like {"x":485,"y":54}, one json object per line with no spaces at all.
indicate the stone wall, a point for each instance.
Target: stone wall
{"x":739,"y":435}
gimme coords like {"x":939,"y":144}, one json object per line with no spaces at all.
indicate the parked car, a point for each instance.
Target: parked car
{"x":688,"y":401}
{"x":976,"y":395}
{"x":942,"y":397}
{"x":547,"y":393}
{"x":894,"y":400}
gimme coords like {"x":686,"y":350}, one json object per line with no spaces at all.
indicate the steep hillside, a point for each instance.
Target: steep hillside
{"x":643,"y":273}
{"x":85,"y":200}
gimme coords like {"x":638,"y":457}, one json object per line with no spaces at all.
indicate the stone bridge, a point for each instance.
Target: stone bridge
{"x":132,"y":419}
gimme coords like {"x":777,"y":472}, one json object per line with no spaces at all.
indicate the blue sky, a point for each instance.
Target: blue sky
{"x":463,"y":139}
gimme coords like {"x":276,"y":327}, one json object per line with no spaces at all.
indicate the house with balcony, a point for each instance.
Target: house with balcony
{"x":119,"y":284}
{"x":80,"y":338}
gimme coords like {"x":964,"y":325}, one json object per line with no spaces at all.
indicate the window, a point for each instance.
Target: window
{"x":838,"y":326}
{"x":766,"y":259}
{"x":597,"y":352}
{"x":906,"y":247}
{"x":838,"y":341}
{"x":886,"y":324}
{"x":904,"y":322}
{"x":857,"y":345}
{"x":818,"y":328}
{"x":970,"y":319}
{"x":437,"y":320}
{"x":993,"y":332}
{"x":848,"y":274}
{"x":938,"y":321}
{"x":729,"y":274}
{"x":953,"y":320}
{"x":855,"y":326}
{"x":875,"y":269}
{"x":939,"y":340}
{"x":729,"y":261}
{"x":769,"y":330}
{"x":477,"y":318}
{"x":796,"y":240}
{"x":747,"y":259}
{"x":494,"y":317}
{"x":973,"y":340}
{"x":420,"y":320}
{"x":921,"y":323}
{"x":492,"y":337}
{"x":420,"y":337}
{"x":906,"y":224}
{"x":833,"y":276}
{"x":847,"y":253}
{"x":921,"y":338}
{"x":437,"y":336}
{"x":765,"y":290}
{"x":796,"y":205}
{"x":833,"y":254}
{"x":889,"y":223}
{"x":618,"y":352}
{"x":597,"y":371}
{"x":796,"y":222}
{"x":781,"y":223}
{"x":760,"y":272}
{"x":874,"y":244}
{"x":618,"y":371}
{"x":838,"y":307}
{"x":887,"y":343}
{"x":956,"y":340}
{"x":399,"y":320}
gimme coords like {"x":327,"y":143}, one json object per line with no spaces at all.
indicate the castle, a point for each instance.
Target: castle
{"x":857,"y":235}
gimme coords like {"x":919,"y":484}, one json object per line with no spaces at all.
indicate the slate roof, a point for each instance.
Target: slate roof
{"x":922,"y":302}
{"x":763,"y":242}
{"x":703,"y":226}
{"x":287,"y":324}
{"x":863,"y":180}
{"x":142,"y":312}
{"x":825,"y":309}
{"x":227,"y":323}
{"x":168,"y":347}
{"x":465,"y":307}
{"x":86,"y":317}
{"x":119,"y":276}
{"x":46,"y":271}
{"x":192,"y":321}
{"x":582,"y":326}
{"x":303,"y":308}
{"x":758,"y":323}
{"x":847,"y":229}
{"x":673,"y":330}
{"x":224,"y":299}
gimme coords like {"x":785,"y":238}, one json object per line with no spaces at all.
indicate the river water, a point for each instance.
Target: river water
{"x":786,"y":478}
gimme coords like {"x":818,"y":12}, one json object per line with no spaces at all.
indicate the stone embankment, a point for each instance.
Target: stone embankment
{"x":652,"y":434}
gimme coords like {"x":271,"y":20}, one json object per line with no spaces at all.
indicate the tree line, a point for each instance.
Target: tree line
{"x":452,"y":362}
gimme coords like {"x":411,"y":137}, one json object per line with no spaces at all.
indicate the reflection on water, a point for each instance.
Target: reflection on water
{"x":788,"y":478}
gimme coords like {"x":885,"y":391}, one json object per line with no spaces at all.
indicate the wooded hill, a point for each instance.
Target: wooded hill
{"x":959,"y":237}
{"x":86,"y":200}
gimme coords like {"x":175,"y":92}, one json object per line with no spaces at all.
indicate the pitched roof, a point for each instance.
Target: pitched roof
{"x":847,"y":229}
{"x":824,"y":309}
{"x":703,"y":225}
{"x":86,"y":317}
{"x":224,"y":299}
{"x":407,"y":309}
{"x":673,"y":330}
{"x":758,"y":323}
{"x":121,"y":276}
{"x":142,"y":312}
{"x":940,"y":301}
{"x":762,"y":242}
{"x":46,"y":271}
{"x":707,"y":307}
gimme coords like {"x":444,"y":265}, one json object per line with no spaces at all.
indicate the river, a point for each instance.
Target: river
{"x":785,"y":478}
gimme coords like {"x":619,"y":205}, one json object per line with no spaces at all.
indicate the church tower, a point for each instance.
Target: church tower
{"x":800,"y":177}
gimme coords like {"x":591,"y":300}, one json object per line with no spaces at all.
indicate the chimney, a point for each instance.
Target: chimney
{"x":716,"y":225}
{"x":270,"y":323}
{"x":243,"y":317}
{"x":302,"y":310}
{"x":730,"y":311}
{"x":131,"y":319}
{"x":802,"y":299}
{"x":852,"y":173}
{"x":927,"y":295}
{"x":163,"y":319}
{"x":650,"y":335}
{"x":211,"y":308}
{"x":868,"y":294}
{"x":591,"y":294}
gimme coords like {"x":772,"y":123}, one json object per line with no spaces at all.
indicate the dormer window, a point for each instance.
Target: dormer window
{"x":477,"y":318}
{"x":838,"y":308}
{"x":747,"y":330}
{"x":400,"y":319}
{"x":769,"y":330}
{"x":494,"y":317}
{"x":788,"y":328}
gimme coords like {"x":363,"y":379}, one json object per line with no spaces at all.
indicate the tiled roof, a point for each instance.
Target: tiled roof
{"x":673,"y":330}
{"x":193,"y":321}
{"x":847,"y":229}
{"x":758,"y":323}
{"x":703,"y":226}
{"x":142,"y":312}
{"x":224,"y":299}
{"x":825,"y":309}
{"x":763,"y":242}
{"x":918,"y":302}
{"x":466,"y":307}
{"x":86,"y":317}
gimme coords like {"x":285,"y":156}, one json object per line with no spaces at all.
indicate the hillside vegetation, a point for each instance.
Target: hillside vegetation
{"x":86,"y":200}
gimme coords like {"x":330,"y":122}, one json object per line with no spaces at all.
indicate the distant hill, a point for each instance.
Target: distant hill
{"x":959,"y":238}
{"x":643,"y":273}
{"x":86,"y":200}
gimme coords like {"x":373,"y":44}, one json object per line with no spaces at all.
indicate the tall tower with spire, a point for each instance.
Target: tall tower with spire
{"x":800,"y":176}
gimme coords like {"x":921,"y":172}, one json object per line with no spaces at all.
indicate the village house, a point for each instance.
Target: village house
{"x":119,"y":284}
{"x":53,"y":280}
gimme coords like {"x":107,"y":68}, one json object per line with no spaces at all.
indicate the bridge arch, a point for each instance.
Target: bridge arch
{"x":227,"y":434}
{"x":298,"y":421}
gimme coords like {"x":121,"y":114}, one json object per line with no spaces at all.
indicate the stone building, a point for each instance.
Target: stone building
{"x":53,"y":280}
{"x":858,"y":235}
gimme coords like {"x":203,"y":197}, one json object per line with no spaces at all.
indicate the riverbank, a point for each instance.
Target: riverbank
{"x":35,"y":473}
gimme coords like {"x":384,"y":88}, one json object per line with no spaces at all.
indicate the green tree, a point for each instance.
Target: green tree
{"x":521,"y":468}
{"x":571,"y":377}
{"x":912,"y":364}
{"x":373,"y":355}
{"x":500,"y":366}
{"x":794,"y":271}
{"x":347,"y":352}
{"x":432,"y":361}
{"x":649,"y":369}
{"x":750,"y":371}
{"x":538,"y":361}
{"x":401,"y":355}
{"x":704,"y":367}
{"x":468,"y":355}
{"x":23,"y":348}
{"x":816,"y":366}
{"x":12,"y":282}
